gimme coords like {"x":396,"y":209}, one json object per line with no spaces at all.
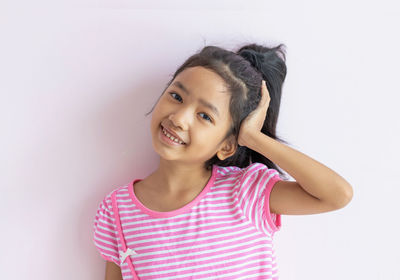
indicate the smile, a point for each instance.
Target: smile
{"x":168,"y":137}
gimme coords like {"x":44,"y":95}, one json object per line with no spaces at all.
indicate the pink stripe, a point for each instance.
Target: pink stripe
{"x":269,"y":187}
{"x":227,"y":225}
{"x":115,"y":210}
{"x":210,"y":256}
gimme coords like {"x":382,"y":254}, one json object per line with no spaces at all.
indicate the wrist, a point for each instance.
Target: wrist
{"x":252,"y":139}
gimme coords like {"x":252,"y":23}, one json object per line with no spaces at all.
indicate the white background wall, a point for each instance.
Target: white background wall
{"x":77,"y":78}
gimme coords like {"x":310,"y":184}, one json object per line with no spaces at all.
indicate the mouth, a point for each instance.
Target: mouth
{"x":169,"y":137}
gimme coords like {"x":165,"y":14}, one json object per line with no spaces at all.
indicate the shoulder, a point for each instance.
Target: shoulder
{"x":108,"y":197}
{"x":254,"y":167}
{"x":227,"y":172}
{"x":251,"y":169}
{"x":255,"y":170}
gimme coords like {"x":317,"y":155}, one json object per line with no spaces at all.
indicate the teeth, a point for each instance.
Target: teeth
{"x":172,"y":137}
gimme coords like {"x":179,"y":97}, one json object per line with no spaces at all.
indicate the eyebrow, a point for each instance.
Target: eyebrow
{"x":202,"y":101}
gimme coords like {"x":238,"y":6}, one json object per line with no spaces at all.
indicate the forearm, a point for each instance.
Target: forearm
{"x":314,"y":177}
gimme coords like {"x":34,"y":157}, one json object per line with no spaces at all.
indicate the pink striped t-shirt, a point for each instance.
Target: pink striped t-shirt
{"x":226,"y":232}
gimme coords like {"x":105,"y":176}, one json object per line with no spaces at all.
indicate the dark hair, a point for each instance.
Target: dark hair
{"x":243,"y":72}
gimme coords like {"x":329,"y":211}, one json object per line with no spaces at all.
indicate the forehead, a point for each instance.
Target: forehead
{"x":203,"y":83}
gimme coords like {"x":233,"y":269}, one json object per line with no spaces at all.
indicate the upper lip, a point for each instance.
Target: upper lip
{"x":170,"y":131}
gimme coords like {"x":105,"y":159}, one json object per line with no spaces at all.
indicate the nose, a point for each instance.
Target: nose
{"x":180,"y":119}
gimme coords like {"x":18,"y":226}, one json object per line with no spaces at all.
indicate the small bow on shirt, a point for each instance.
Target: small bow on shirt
{"x":128,"y":252}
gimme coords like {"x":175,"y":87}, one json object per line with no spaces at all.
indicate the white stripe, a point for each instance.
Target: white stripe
{"x":227,"y":192}
{"x":181,"y":273}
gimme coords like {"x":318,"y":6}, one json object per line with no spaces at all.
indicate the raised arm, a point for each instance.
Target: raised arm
{"x":317,"y":187}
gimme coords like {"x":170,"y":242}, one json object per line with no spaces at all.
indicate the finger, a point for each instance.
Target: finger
{"x":264,"y":94}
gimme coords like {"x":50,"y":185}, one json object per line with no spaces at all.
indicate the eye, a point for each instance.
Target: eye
{"x":175,"y":94}
{"x":209,"y":119}
{"x":172,"y":94}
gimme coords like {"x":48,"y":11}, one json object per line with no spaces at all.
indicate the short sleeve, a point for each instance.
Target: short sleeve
{"x":256,"y":183}
{"x":105,"y":235}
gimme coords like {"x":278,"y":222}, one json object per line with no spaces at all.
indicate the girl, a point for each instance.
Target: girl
{"x":212,"y":206}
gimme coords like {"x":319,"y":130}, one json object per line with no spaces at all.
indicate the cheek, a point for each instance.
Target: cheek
{"x":206,"y":137}
{"x":156,"y":119}
{"x":157,"y":112}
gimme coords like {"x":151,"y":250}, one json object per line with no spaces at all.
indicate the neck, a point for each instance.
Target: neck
{"x":176,"y":178}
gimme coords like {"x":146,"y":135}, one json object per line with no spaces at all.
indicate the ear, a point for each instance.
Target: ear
{"x":228,"y":148}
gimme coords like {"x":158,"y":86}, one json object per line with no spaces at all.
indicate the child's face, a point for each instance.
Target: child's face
{"x":200,"y":127}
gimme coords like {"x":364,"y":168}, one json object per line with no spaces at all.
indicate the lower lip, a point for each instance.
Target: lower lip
{"x":167,"y":140}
